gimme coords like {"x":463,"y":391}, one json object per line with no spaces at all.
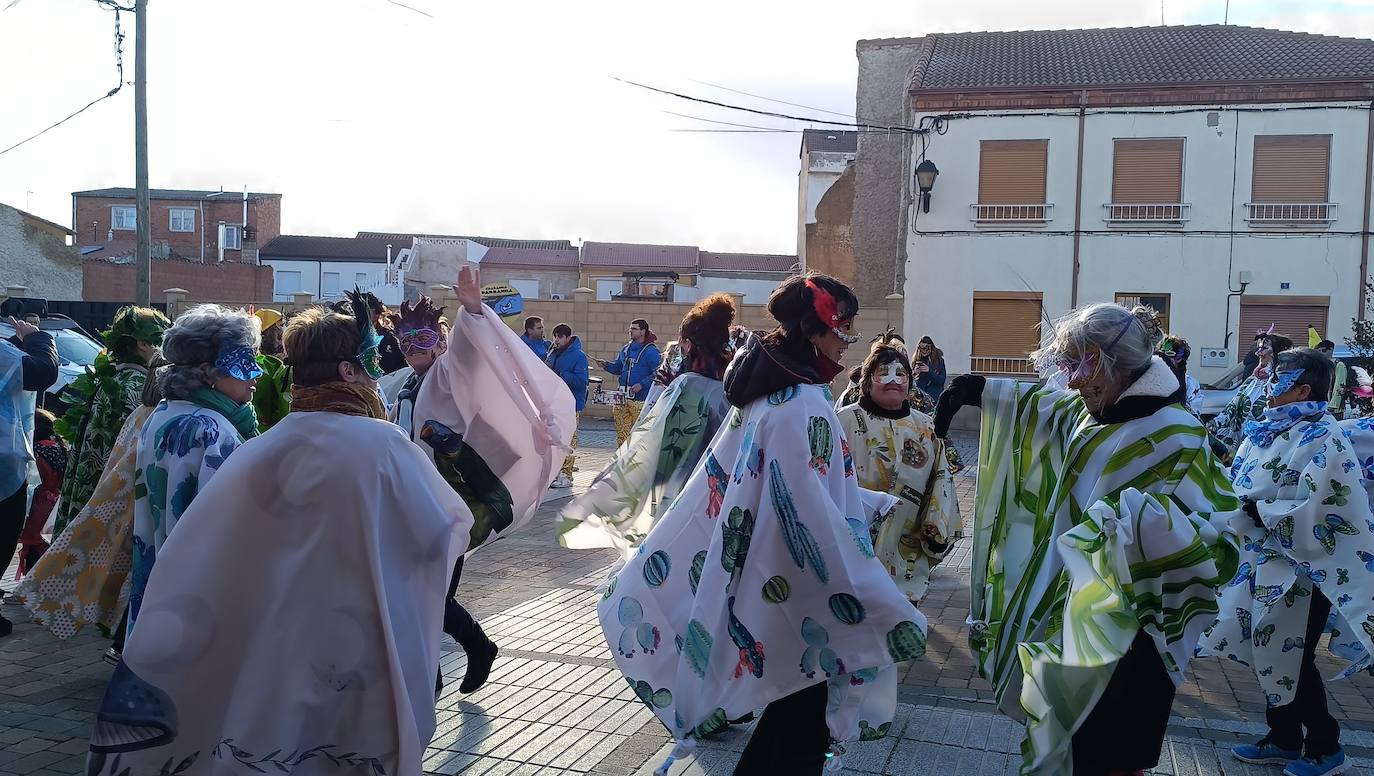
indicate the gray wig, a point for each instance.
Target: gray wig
{"x":1123,"y":337}
{"x":195,"y":340}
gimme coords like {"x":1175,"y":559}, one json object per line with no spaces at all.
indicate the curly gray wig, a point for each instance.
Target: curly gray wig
{"x":195,"y":341}
{"x":1123,"y":337}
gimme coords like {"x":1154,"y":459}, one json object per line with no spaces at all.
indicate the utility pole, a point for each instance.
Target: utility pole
{"x":143,"y":258}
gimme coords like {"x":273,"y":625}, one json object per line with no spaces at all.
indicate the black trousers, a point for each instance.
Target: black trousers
{"x":1125,"y":730}
{"x":12,"y":517}
{"x":1308,"y":708}
{"x":457,"y":622}
{"x":791,"y":738}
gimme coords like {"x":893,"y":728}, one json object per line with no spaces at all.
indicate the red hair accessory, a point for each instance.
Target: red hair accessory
{"x":824,"y":304}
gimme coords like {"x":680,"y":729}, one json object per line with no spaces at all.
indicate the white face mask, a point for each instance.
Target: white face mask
{"x":892,"y":373}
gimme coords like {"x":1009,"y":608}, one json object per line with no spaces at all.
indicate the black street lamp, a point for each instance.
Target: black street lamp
{"x":926,"y":173}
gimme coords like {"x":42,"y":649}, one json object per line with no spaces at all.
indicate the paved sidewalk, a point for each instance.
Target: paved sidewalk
{"x":556,"y":704}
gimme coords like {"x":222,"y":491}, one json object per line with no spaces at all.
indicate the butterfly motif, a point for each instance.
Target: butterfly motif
{"x":1266,"y":555}
{"x":1292,"y":596}
{"x":1268,"y":594}
{"x":1340,"y":446}
{"x":1365,"y":558}
{"x":1267,"y":671}
{"x":1272,"y":699}
{"x":1326,"y":532}
{"x":1243,"y":479}
{"x":1370,"y":525}
{"x":1242,"y":617}
{"x":1262,"y":635}
{"x":1339,"y":495}
{"x":1343,"y":600}
{"x":1253,"y":546}
{"x":1305,"y":569}
{"x":1283,"y":530}
{"x":1244,"y":575}
{"x":1320,"y":458}
{"x":1348,"y":466}
{"x":1342,"y":576}
{"x":1368,"y":466}
{"x":1368,"y":624}
{"x":1312,"y":432}
{"x":1286,"y":683}
{"x":1276,"y":469}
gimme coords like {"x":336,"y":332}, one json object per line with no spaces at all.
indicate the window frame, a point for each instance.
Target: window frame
{"x":234,"y":242}
{"x":1166,"y":315}
{"x":279,"y":275}
{"x":172,"y":213}
{"x":132,"y":219}
{"x":991,"y":211}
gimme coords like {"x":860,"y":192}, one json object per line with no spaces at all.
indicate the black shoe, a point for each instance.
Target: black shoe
{"x":6,"y":627}
{"x":438,"y":683}
{"x":480,"y":660}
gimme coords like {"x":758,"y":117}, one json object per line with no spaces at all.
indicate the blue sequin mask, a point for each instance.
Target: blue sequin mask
{"x":370,"y":357}
{"x":1283,"y":382}
{"x":239,"y":363}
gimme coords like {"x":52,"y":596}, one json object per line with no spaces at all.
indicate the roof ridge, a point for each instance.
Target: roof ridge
{"x":1296,"y":33}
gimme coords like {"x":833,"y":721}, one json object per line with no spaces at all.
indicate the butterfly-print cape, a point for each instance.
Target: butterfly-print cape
{"x":760,"y":580}
{"x":1307,"y":485}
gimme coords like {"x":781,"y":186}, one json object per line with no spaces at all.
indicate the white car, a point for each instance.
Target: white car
{"x":1218,"y":393}
{"x":76,"y":353}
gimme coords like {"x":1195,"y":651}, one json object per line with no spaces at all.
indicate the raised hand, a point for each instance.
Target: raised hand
{"x":469,"y":290}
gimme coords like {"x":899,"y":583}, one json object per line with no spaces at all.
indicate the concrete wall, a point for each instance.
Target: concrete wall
{"x":830,"y":240}
{"x":819,"y":171}
{"x":885,"y":69}
{"x":35,"y":255}
{"x":312,"y":276}
{"x":1192,"y":263}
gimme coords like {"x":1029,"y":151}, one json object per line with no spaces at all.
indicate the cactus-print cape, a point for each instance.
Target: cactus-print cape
{"x":904,"y":458}
{"x":1307,"y":486}
{"x":1085,"y":533}
{"x":649,"y":470}
{"x":1247,"y":405}
{"x":760,"y":580}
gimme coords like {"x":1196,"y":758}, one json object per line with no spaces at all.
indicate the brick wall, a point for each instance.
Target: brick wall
{"x":228,"y":282}
{"x":93,"y":215}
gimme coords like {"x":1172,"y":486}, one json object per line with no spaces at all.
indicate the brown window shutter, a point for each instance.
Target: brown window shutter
{"x":1006,"y":327}
{"x":1148,"y":171}
{"x":1290,"y":320}
{"x":1291,"y":168}
{"x":1012,"y":172}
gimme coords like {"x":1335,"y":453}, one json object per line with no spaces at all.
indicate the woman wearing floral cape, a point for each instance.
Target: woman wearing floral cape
{"x":1251,"y":399}
{"x":649,"y":470}
{"x":758,"y":586}
{"x":1100,"y":530}
{"x":110,"y":393}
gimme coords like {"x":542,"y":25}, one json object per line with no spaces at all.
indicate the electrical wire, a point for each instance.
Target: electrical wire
{"x":410,"y":8}
{"x":119,"y":67}
{"x":780,"y":102}
{"x":730,"y":123}
{"x":810,"y":119}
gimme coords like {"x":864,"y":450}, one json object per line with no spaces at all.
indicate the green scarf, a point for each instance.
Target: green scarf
{"x":243,"y":417}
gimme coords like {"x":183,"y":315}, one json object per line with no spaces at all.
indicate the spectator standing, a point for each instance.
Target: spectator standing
{"x":569,"y":362}
{"x":635,"y":365}
{"x":534,"y":337}
{"x":930,"y":368}
{"x":272,"y":399}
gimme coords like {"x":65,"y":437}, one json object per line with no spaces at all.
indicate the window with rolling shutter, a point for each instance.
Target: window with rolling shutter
{"x":1006,"y":328}
{"x":1290,"y":316}
{"x":1011,"y":180}
{"x":1147,"y":180}
{"x":1157,"y":302}
{"x":1291,"y":178}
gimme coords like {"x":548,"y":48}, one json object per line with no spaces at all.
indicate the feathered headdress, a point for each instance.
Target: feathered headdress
{"x":417,"y":328}
{"x":368,"y":355}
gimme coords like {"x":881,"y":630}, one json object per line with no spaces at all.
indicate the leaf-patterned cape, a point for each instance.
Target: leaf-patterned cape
{"x":115,"y":392}
{"x":292,"y":622}
{"x":1067,"y":569}
{"x":1307,"y":486}
{"x":649,"y":470}
{"x":83,"y":578}
{"x":760,"y":580}
{"x":904,"y":458}
{"x":1248,"y":404}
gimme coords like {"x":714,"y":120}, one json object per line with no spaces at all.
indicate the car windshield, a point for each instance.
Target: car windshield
{"x":1232,"y":379}
{"x":75,"y":348}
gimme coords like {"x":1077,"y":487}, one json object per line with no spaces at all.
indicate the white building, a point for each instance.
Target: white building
{"x":326,"y":267}
{"x":1220,"y":174}
{"x":824,"y":155}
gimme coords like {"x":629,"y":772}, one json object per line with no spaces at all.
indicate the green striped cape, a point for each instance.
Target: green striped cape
{"x":1083,"y":534}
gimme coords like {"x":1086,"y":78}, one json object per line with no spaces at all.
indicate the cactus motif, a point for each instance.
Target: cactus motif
{"x":735,"y":537}
{"x":801,"y":545}
{"x":859,"y":531}
{"x":822,"y":444}
{"x":637,"y":633}
{"x":906,"y":641}
{"x":778,"y":398}
{"x":660,"y":699}
{"x":696,"y":648}
{"x":713,"y":722}
{"x":817,"y":654}
{"x":694,"y":574}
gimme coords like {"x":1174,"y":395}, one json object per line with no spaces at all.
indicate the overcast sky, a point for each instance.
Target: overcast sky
{"x":495,"y":118}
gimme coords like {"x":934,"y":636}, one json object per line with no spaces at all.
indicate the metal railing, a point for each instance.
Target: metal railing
{"x":1018,"y":366}
{"x":1147,"y":212}
{"x":1011,"y":213}
{"x":1290,"y":212}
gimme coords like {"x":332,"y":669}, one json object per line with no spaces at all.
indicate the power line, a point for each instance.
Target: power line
{"x":410,"y":8}
{"x":780,"y":102}
{"x":119,"y":67}
{"x":809,"y":119}
{"x":730,"y":123}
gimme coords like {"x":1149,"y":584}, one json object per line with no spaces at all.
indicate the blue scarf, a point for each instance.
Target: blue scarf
{"x":1277,"y":420}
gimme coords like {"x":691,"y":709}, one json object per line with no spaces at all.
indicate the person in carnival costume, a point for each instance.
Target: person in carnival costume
{"x":419,"y":338}
{"x":1308,"y":543}
{"x":110,"y":393}
{"x":1251,"y":398}
{"x":651,"y":468}
{"x":316,"y":651}
{"x":1175,"y":351}
{"x":896,"y":452}
{"x":50,"y":455}
{"x":28,"y":365}
{"x":272,"y":397}
{"x":1099,"y":533}
{"x":84,"y":577}
{"x":759,"y":586}
{"x":205,"y":414}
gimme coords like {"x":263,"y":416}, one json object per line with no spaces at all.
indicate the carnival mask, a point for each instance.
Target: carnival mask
{"x":846,"y":331}
{"x":370,"y":357}
{"x":413,"y":340}
{"x":893,"y":374}
{"x":1080,"y":371}
{"x":828,"y":310}
{"x":239,"y":363}
{"x":1283,"y":382}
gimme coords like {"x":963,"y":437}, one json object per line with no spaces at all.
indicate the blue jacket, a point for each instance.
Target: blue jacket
{"x":636,"y":365}
{"x":540,"y":347}
{"x":570,"y":363}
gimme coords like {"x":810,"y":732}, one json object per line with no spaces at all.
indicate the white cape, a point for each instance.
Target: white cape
{"x":295,"y":613}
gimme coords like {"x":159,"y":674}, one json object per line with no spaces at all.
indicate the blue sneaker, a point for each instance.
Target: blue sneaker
{"x":1326,"y":766}
{"x":1265,"y":753}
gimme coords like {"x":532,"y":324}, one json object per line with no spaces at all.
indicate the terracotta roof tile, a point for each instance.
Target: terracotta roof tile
{"x":637,"y":255}
{"x":748,"y":262}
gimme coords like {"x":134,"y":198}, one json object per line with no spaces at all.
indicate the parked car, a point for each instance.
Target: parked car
{"x":1219,"y":392}
{"x":76,"y":352}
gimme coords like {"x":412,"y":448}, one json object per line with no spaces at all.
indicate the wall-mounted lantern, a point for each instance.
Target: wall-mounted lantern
{"x":926,"y":172}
